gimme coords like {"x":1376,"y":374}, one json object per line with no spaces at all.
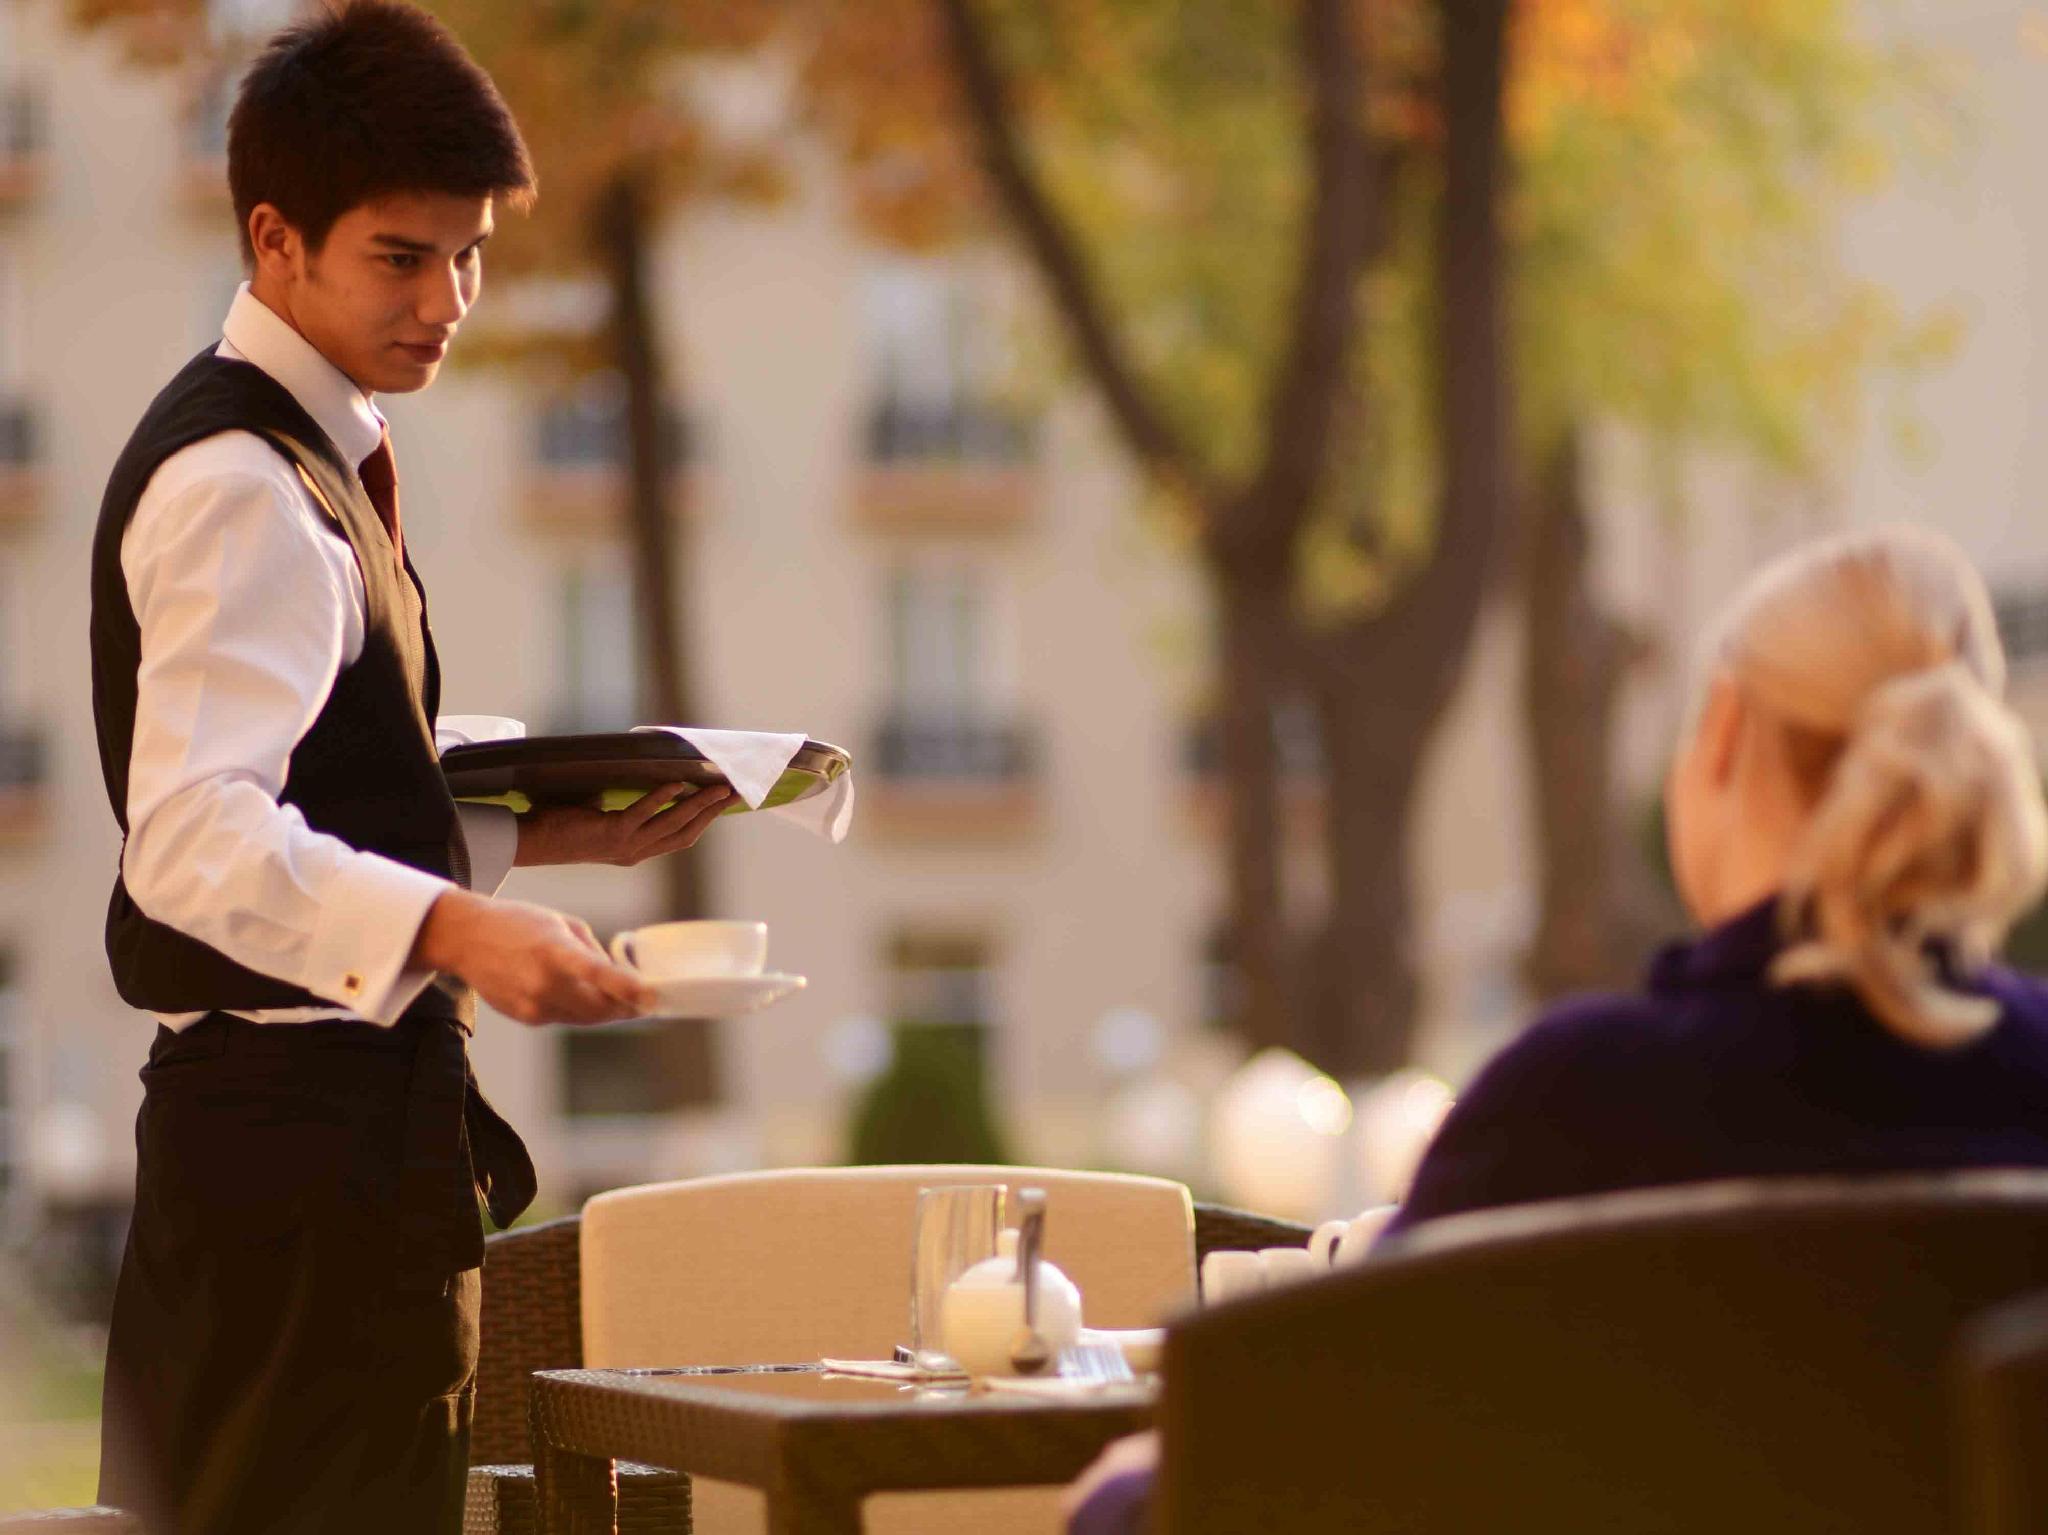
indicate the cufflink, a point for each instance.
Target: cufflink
{"x":352,"y":983}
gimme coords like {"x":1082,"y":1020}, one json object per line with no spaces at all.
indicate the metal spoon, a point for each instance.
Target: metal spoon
{"x":1029,"y":1352}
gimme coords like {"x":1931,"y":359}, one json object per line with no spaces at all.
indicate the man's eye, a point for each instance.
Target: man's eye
{"x":403,"y":262}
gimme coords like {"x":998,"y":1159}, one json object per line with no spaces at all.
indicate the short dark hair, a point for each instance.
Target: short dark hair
{"x":369,"y":98}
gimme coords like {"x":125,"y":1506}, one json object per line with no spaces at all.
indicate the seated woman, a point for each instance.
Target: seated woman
{"x":1856,"y":818}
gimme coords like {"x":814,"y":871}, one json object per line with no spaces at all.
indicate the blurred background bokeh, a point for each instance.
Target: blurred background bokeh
{"x":1259,"y":666}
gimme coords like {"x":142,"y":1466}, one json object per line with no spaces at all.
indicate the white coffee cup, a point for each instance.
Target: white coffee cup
{"x":674,"y":951}
{"x":1286,"y":1265}
{"x":1360,"y":1233}
{"x":1322,"y":1244}
{"x":1228,"y":1274}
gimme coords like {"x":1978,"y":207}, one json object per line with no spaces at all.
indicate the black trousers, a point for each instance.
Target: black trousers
{"x":294,"y":1337}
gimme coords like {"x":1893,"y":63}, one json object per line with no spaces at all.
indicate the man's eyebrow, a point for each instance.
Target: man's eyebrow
{"x":419,"y":247}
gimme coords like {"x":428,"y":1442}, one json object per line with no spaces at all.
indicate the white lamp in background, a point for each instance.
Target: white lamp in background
{"x":1277,"y":1134}
{"x":1397,"y":1117}
{"x":1129,"y":1042}
{"x":68,"y":1149}
{"x":858,"y":1049}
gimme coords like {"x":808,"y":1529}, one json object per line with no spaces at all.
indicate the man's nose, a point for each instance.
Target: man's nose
{"x":443,"y":304}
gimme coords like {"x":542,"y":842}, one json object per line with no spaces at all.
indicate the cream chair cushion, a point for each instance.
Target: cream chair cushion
{"x":792,"y":1265}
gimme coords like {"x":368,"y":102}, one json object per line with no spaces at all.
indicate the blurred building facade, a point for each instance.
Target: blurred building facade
{"x":886,"y":554}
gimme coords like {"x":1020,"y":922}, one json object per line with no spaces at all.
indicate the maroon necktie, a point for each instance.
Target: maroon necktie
{"x":380,"y":478}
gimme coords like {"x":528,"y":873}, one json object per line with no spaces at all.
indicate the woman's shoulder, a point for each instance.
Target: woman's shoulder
{"x":1596,"y":1031}
{"x":1577,"y":1102}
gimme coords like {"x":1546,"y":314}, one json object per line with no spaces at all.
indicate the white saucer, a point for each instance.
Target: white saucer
{"x":723,"y":996}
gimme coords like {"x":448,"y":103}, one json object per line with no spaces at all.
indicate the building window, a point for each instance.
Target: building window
{"x":947,"y":716}
{"x":598,"y":653}
{"x":937,"y":641}
{"x":13,"y":317}
{"x":2023,"y":623}
{"x":1222,"y":982}
{"x":941,"y":363}
{"x":585,"y":427}
{"x":11,"y":1190}
{"x":639,"y":1068}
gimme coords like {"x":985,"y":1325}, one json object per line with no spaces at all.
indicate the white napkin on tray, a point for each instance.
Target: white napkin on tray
{"x":754,"y":761}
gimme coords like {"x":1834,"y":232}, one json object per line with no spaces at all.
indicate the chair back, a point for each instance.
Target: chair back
{"x":2002,"y":1418}
{"x":530,"y":1319}
{"x":1760,"y":1356}
{"x":795,"y":1264}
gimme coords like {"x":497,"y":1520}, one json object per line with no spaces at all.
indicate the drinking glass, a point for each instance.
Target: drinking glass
{"x":956,"y":1229}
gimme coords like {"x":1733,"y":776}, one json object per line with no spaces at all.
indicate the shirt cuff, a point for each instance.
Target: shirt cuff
{"x":368,"y":923}
{"x":492,"y":832}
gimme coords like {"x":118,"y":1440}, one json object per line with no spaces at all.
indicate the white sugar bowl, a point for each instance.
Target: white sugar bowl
{"x":983,"y":1313}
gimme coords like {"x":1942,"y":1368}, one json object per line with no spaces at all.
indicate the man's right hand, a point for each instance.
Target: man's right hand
{"x":531,"y":964}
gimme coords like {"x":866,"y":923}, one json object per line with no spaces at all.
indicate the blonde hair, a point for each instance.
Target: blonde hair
{"x":1877,"y":655}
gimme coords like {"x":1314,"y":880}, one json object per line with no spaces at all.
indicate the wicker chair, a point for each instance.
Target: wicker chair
{"x":532,"y":1320}
{"x":1763,"y":1357}
{"x":2002,"y":1419}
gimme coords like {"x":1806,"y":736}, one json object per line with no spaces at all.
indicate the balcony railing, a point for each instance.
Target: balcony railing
{"x":900,"y":431}
{"x":21,"y":143}
{"x":580,"y":453}
{"x":575,"y":434}
{"x":2023,"y":624}
{"x":17,"y":435}
{"x":950,"y":467}
{"x":1295,"y":738}
{"x":952,"y":778}
{"x":972,"y":751}
{"x":1300,"y":750}
{"x":24,"y":775}
{"x":20,"y":457}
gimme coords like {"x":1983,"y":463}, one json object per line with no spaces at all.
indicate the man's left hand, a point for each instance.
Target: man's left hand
{"x":643,"y":830}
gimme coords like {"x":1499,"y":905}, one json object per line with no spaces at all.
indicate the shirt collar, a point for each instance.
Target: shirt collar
{"x":257,"y":334}
{"x":1739,"y":950}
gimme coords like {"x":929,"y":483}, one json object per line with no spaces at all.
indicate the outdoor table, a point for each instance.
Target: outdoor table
{"x":813,"y":1442}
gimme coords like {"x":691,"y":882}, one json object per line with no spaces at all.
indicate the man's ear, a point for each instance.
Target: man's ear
{"x":277,"y":246}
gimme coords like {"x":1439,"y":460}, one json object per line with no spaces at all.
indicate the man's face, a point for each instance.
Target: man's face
{"x":383,"y":295}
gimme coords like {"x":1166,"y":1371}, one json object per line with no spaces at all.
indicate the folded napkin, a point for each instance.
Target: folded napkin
{"x":473,"y":729}
{"x":1058,"y":1386}
{"x":889,"y":1369}
{"x":754,"y":761}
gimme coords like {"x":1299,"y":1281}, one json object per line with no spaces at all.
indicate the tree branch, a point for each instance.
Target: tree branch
{"x":1337,"y":242}
{"x":1062,"y":267}
{"x":1425,"y":630}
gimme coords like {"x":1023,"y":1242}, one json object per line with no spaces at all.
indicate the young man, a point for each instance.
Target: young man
{"x":299,"y":901}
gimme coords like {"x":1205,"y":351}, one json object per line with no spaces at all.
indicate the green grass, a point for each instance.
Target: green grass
{"x":50,"y":1452}
{"x":50,"y":1464}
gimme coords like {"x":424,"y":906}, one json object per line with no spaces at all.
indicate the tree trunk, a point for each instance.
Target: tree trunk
{"x":1373,"y":748}
{"x":1384,"y":683}
{"x":1253,"y":622}
{"x":624,"y":233}
{"x":1593,"y":922}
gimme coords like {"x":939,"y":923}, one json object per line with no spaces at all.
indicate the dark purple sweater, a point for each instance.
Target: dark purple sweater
{"x":1712,"y":1072}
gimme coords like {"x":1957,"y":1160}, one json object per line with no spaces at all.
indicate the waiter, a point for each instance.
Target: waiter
{"x":299,"y":902}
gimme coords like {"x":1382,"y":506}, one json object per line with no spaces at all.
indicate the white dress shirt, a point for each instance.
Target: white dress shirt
{"x":250,"y":604}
